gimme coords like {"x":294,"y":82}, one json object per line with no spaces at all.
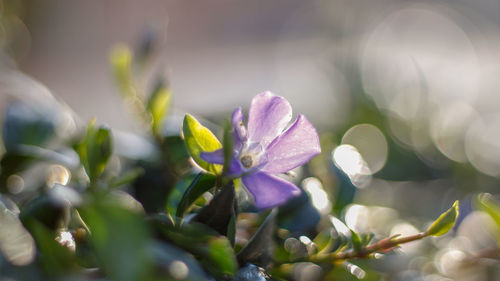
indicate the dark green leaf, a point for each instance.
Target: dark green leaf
{"x":214,"y":252}
{"x":259,"y":249}
{"x":200,"y":184}
{"x":444,"y":223}
{"x":127,"y":178}
{"x":217,"y":214}
{"x":51,"y":211}
{"x":176,"y":264}
{"x":177,"y":154}
{"x":55,"y":258}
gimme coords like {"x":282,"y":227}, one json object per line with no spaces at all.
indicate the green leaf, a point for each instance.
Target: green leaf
{"x":126,"y":178}
{"x":119,"y":238}
{"x":220,"y":256}
{"x":95,"y":150}
{"x":218,"y":214}
{"x":366,"y":238}
{"x":158,"y":106}
{"x":444,"y":223}
{"x":121,"y":64}
{"x":55,"y":258}
{"x":357,"y":244}
{"x":200,"y":139}
{"x":213,"y":251}
{"x":200,"y":184}
{"x":259,"y":249}
{"x":490,"y":206}
{"x":323,"y":239}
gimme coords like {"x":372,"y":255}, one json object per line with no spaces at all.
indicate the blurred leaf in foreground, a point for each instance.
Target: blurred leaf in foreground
{"x":212,"y":250}
{"x":119,"y":238}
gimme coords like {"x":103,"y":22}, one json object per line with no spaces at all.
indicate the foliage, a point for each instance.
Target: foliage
{"x":161,"y":218}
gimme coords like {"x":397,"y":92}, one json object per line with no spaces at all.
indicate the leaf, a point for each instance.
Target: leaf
{"x":184,"y":265}
{"x":158,"y":106}
{"x":96,"y":150}
{"x":55,"y":258}
{"x":259,"y":249}
{"x":219,"y":212}
{"x":51,"y":211}
{"x":121,"y":64}
{"x":119,"y":238}
{"x":366,"y":238}
{"x":357,"y":244}
{"x":323,"y":239}
{"x":220,"y":256}
{"x":214,"y":252}
{"x":444,"y":223}
{"x":177,"y":154}
{"x":197,"y":139}
{"x":490,"y":206}
{"x":200,"y":184}
{"x":127,"y":178}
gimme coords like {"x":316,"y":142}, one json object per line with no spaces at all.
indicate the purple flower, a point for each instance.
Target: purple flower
{"x":263,"y":149}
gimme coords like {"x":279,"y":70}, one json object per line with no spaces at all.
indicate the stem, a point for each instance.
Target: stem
{"x":381,"y":246}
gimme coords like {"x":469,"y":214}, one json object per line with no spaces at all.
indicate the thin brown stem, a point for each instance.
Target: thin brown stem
{"x":383,"y":245}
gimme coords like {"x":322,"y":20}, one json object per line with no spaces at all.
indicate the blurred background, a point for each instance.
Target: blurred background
{"x":404,"y":94}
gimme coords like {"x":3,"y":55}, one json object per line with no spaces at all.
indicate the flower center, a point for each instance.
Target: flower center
{"x":246,"y":160}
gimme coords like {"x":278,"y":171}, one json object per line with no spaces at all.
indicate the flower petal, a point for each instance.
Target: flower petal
{"x":269,"y":191}
{"x":267,"y":118}
{"x":215,"y":157}
{"x":239,"y":130}
{"x":293,"y":148}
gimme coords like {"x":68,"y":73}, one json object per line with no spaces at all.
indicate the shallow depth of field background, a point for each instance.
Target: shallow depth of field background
{"x":404,"y":93}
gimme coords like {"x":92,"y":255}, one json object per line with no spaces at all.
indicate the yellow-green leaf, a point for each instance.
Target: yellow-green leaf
{"x":444,"y":223}
{"x":490,"y":206}
{"x":121,"y":64}
{"x":158,"y":106}
{"x":200,"y":139}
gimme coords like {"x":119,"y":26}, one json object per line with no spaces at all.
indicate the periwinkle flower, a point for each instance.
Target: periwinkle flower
{"x":263,"y":149}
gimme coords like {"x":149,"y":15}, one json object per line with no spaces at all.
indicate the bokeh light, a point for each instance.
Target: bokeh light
{"x":370,"y":143}
{"x":350,"y":161}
